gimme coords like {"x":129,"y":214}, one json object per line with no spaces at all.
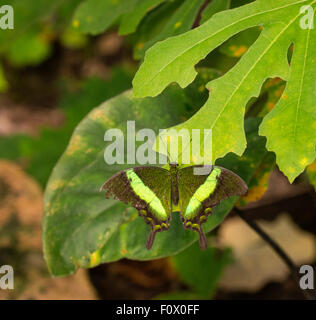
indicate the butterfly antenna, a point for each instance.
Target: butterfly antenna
{"x":185,"y":148}
{"x":203,"y":240}
{"x":151,"y":239}
{"x":166,"y":146}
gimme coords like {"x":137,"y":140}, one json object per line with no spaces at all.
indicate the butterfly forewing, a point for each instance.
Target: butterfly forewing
{"x":200,"y":193}
{"x":147,"y":189}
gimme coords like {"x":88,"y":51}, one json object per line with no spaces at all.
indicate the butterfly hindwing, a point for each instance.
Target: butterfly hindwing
{"x":200,"y":193}
{"x":148,"y":190}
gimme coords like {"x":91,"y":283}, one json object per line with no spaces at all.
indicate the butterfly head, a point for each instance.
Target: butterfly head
{"x":173,"y":165}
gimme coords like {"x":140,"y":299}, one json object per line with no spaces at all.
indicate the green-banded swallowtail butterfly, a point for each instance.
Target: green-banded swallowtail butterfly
{"x":156,"y":192}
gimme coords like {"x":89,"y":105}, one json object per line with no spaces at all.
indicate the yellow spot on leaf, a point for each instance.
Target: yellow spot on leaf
{"x":75,"y":145}
{"x":57,"y":184}
{"x":271,"y":105}
{"x":123,"y":251}
{"x":96,"y":114}
{"x":304,"y":161}
{"x":95,"y":258}
{"x":291,"y":169}
{"x":140,"y":45}
{"x":284,"y":97}
{"x":312,"y":167}
{"x":256,"y":192}
{"x":75,"y":23}
{"x":178,"y":24}
{"x":240,"y":51}
{"x":279,"y":92}
{"x":201,"y":88}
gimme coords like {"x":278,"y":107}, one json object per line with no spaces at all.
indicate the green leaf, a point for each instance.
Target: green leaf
{"x":95,"y":16}
{"x":295,"y":113}
{"x":131,"y":20}
{"x":81,"y":228}
{"x":30,"y":42}
{"x":181,"y":20}
{"x":290,"y":127}
{"x":152,"y":24}
{"x":29,"y":49}
{"x":214,"y":7}
{"x":27,"y":15}
{"x":201,"y":270}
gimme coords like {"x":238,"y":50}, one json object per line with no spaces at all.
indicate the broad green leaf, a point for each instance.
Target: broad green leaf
{"x":311,"y":173}
{"x":214,"y":7}
{"x":81,"y":228}
{"x":95,"y":16}
{"x":290,"y":127}
{"x":294,"y":145}
{"x":180,"y":21}
{"x":201,"y":270}
{"x":131,"y":19}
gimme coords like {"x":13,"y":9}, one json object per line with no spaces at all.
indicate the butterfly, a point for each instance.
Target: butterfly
{"x":156,"y":192}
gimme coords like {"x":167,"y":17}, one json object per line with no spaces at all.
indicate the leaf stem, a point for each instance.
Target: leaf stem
{"x":278,"y":250}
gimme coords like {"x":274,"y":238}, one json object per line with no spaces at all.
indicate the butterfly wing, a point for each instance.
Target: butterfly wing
{"x":200,"y":193}
{"x":147,"y":189}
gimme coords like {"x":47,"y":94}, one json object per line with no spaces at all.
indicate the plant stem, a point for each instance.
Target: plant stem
{"x":279,"y":251}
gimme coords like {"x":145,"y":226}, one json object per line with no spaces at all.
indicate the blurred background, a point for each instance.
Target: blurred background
{"x":51,"y":76}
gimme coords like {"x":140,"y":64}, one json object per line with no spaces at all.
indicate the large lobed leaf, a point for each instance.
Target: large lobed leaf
{"x":290,"y":127}
{"x":81,"y":228}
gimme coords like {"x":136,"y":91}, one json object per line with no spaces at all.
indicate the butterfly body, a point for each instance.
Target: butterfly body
{"x":156,"y":192}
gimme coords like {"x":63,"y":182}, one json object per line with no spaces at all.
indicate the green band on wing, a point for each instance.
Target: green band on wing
{"x":202,"y":193}
{"x":144,"y":193}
